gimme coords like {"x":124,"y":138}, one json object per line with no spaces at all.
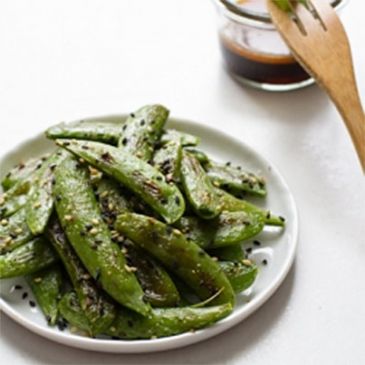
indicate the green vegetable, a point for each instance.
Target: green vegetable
{"x":241,"y":275}
{"x":235,"y":179}
{"x":185,"y":138}
{"x":142,"y":130}
{"x":40,"y":203}
{"x":159,"y":289}
{"x":27,"y":259}
{"x":14,"y":231}
{"x":140,"y":177}
{"x":198,"y":188}
{"x":99,"y":131}
{"x":98,"y":309}
{"x":201,"y":156}
{"x":228,"y":253}
{"x":81,"y":220}
{"x":21,"y":171}
{"x":186,"y":259}
{"x":46,"y":287}
{"x":287,"y":5}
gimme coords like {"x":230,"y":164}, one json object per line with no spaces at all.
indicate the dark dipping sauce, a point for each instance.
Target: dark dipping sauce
{"x":260,"y":67}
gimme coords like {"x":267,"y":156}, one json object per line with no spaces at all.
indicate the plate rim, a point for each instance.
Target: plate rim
{"x":185,"y":339}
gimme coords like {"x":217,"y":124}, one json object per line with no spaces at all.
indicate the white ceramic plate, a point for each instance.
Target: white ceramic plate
{"x":278,"y":248}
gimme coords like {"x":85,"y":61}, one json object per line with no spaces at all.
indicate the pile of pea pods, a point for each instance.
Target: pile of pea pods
{"x":128,"y":229}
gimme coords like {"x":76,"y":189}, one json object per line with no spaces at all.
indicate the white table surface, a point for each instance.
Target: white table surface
{"x":69,"y":59}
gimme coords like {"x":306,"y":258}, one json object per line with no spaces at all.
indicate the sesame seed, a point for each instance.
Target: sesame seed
{"x":264,"y":262}
{"x":18,"y":230}
{"x":4,"y":222}
{"x":110,"y":206}
{"x":81,"y":160}
{"x":25,"y":295}
{"x":282,"y":218}
{"x":37,"y":280}
{"x":104,"y":194}
{"x":94,"y":231}
{"x":32,"y":304}
{"x":37,"y":205}
{"x":8,"y":240}
{"x":18,"y":287}
{"x":247,"y":262}
{"x":124,"y":141}
{"x":130,"y":268}
{"x":249,"y":249}
{"x":68,"y":218}
{"x":257,"y":243}
{"x":2,"y":200}
{"x":95,"y":221}
{"x":113,"y":329}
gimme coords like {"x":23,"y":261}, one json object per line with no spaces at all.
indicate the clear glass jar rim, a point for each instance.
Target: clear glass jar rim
{"x":237,"y":12}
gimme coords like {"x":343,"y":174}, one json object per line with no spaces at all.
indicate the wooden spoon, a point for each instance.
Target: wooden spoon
{"x":316,"y":37}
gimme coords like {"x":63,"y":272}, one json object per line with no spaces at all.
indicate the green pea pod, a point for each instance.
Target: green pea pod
{"x":27,"y":259}
{"x":286,"y":5}
{"x":235,"y":180}
{"x":99,"y":131}
{"x":40,"y":203}
{"x":167,"y":159}
{"x":229,"y":228}
{"x":21,"y":171}
{"x":228,"y":253}
{"x":185,"y":138}
{"x":142,"y":130}
{"x":159,"y":289}
{"x":201,"y":156}
{"x":241,"y":275}
{"x":232,"y":204}
{"x":186,"y":259}
{"x":70,"y":309}
{"x":198,"y":188}
{"x":14,"y":232}
{"x":15,"y":198}
{"x":46,"y":287}
{"x":81,"y":220}
{"x":140,"y":177}
{"x":162,"y":322}
{"x":98,"y":309}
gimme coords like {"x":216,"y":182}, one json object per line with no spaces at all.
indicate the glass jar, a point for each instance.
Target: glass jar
{"x":253,"y":50}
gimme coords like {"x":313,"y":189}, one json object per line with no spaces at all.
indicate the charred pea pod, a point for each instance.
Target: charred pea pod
{"x":14,"y":231}
{"x":98,"y":309}
{"x":167,"y":159}
{"x":184,"y":258}
{"x":185,"y":138}
{"x":46,"y":287}
{"x":15,"y":198}
{"x":21,"y":171}
{"x":27,"y":259}
{"x":235,"y":180}
{"x":233,"y":204}
{"x":142,"y":130}
{"x":198,"y":188}
{"x":163,"y":322}
{"x":241,"y":274}
{"x":228,"y":228}
{"x":70,"y":309}
{"x":228,"y":253}
{"x":158,"y":287}
{"x":98,"y":131}
{"x":81,"y":220}
{"x":140,"y":177}
{"x":40,"y":203}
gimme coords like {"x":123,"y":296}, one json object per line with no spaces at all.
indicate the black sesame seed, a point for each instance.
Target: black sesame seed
{"x":124,"y":127}
{"x":163,"y":201}
{"x":264,"y":262}
{"x":249,"y":249}
{"x":257,"y":243}
{"x":66,"y":143}
{"x":18,"y":287}
{"x":124,"y":141}
{"x":159,"y":178}
{"x":85,"y":147}
{"x":282,"y":218}
{"x":228,"y":163}
{"x":88,"y":227}
{"x":25,"y":295}
{"x":52,"y":167}
{"x":32,"y":304}
{"x":132,"y":115}
{"x":177,"y":200}
{"x":58,"y":198}
{"x":38,"y":166}
{"x":268,"y":215}
{"x":142,"y":122}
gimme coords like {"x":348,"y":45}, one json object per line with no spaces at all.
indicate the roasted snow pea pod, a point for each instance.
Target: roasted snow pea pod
{"x":228,"y":228}
{"x":27,"y":259}
{"x":233,"y":204}
{"x":201,"y":156}
{"x":15,"y":198}
{"x":235,"y":179}
{"x":46,"y":287}
{"x":167,"y":159}
{"x":99,"y":131}
{"x":142,"y":130}
{"x":185,"y":138}
{"x":40,"y":203}
{"x":98,"y":309}
{"x":184,"y":258}
{"x":70,"y":309}
{"x":140,"y":177}
{"x":161,"y":322}
{"x":14,"y":231}
{"x":198,"y":188}
{"x":81,"y":220}
{"x":158,"y":287}
{"x":228,"y":253}
{"x":241,"y":274}
{"x":21,"y":171}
